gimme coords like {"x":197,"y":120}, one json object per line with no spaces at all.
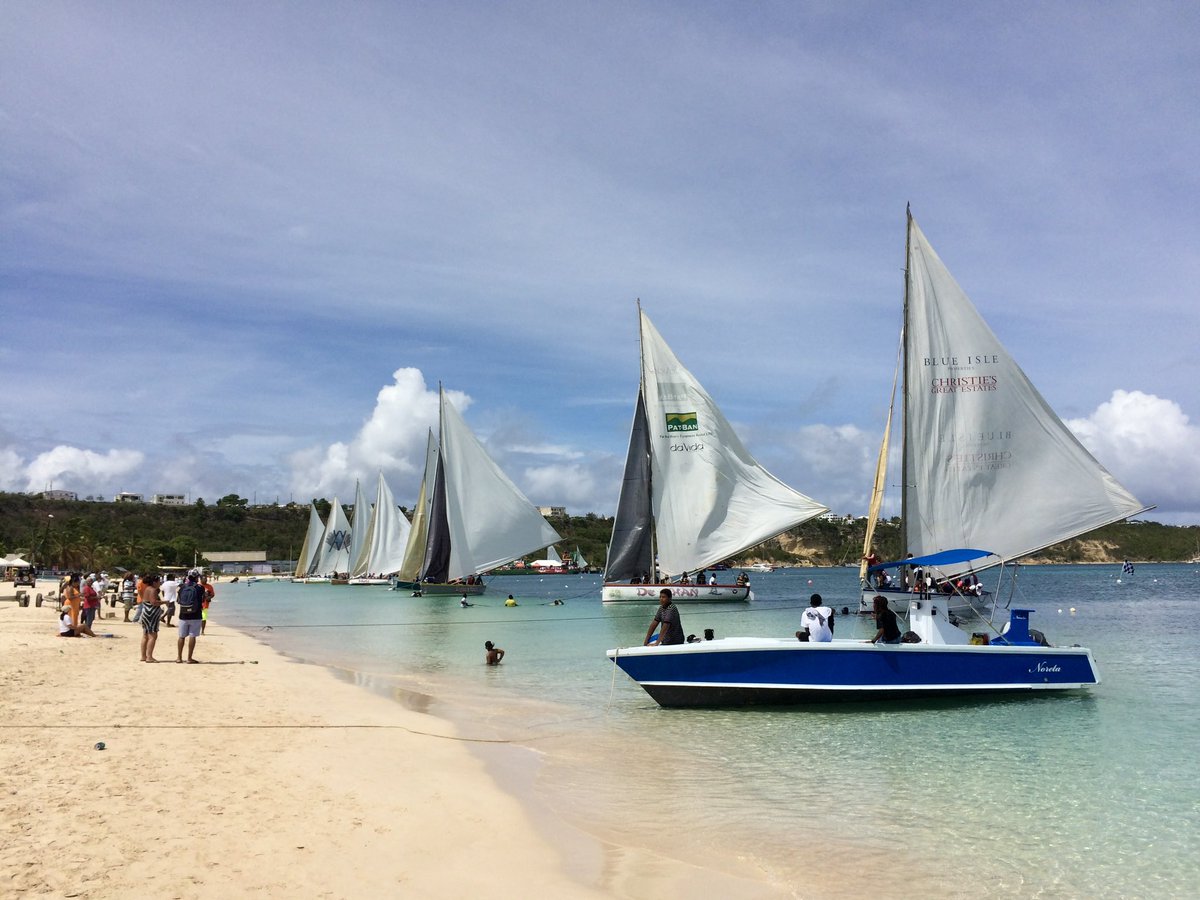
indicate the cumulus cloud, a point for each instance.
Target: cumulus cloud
{"x":72,"y":468}
{"x":392,"y":440}
{"x":572,"y":485}
{"x":1150,"y":446}
{"x":12,"y":468}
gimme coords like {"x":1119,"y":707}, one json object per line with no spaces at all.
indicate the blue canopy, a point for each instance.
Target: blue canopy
{"x":944,"y":558}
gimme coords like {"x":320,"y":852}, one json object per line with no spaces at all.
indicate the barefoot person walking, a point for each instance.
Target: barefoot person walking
{"x":191,"y":610}
{"x":151,"y":613}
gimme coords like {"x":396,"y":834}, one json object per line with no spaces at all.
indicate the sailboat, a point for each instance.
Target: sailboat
{"x":986,"y":462}
{"x":692,"y":495}
{"x":334,"y":557}
{"x":386,"y":537}
{"x":472,"y":517}
{"x":310,"y":549}
{"x":578,"y":562}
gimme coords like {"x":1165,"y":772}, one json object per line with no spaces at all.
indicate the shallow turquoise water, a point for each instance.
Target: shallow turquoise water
{"x":1069,"y":796}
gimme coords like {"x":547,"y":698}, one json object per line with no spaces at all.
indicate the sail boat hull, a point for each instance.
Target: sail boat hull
{"x":471,"y":590}
{"x":680,"y":593}
{"x":765,"y":671}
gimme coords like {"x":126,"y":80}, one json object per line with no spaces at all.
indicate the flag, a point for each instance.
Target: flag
{"x":1127,"y":568}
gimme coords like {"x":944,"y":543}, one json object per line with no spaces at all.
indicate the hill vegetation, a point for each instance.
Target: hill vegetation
{"x":91,"y":535}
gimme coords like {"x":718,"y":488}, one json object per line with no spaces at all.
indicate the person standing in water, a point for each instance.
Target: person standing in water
{"x":493,"y":654}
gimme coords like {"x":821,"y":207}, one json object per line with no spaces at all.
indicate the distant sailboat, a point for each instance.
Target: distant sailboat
{"x":692,"y":495}
{"x":986,"y":462}
{"x":387,"y":536}
{"x":310,"y":549}
{"x":335,"y":546}
{"x":578,"y":561}
{"x":473,"y":518}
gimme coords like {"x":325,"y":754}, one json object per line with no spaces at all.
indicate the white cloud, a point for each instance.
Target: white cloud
{"x":72,"y":468}
{"x":391,"y":440}
{"x":1149,"y":445}
{"x":12,"y":468}
{"x":572,"y":485}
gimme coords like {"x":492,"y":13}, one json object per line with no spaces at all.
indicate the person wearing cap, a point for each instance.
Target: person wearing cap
{"x":191,"y":618}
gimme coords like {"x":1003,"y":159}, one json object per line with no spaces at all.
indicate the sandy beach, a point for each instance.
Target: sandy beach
{"x":254,"y":774}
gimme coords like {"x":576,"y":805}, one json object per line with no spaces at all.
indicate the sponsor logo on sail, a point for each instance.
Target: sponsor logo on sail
{"x":338,"y":540}
{"x":682,"y":422}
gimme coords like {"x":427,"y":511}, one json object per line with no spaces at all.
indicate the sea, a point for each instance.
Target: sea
{"x":1090,"y":794}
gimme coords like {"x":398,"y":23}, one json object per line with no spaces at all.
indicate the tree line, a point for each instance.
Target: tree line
{"x":83,"y":535}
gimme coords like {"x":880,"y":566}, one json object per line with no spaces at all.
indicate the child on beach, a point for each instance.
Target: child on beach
{"x":494,"y":654}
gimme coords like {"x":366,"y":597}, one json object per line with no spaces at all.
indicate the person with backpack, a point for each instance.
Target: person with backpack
{"x":191,"y":612}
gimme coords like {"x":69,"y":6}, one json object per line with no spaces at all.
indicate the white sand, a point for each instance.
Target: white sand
{"x":252,"y":774}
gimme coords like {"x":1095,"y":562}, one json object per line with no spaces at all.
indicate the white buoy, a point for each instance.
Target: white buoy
{"x":1072,"y":610}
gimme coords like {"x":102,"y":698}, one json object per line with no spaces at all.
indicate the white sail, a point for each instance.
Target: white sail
{"x":389,"y":535}
{"x":988,"y":463}
{"x":414,"y":550}
{"x":310,"y":550}
{"x":490,"y":521}
{"x":711,"y":498}
{"x":553,"y":557}
{"x":335,"y":543}
{"x":360,"y":529}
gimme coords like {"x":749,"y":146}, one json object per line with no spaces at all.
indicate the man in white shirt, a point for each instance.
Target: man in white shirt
{"x":170,"y":594}
{"x":817,"y":620}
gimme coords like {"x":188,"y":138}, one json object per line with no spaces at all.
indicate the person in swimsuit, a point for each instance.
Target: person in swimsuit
{"x":151,"y":614}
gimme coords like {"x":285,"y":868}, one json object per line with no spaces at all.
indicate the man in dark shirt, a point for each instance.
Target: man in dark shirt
{"x":191,"y":611}
{"x":666,"y":616}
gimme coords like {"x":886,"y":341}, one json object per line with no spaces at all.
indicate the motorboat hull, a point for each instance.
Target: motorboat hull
{"x":761,"y":671}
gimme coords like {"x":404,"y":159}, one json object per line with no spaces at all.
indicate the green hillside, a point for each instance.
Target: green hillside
{"x":93,"y":535}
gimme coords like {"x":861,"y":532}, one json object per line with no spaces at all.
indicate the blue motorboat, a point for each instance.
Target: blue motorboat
{"x":936,"y":659}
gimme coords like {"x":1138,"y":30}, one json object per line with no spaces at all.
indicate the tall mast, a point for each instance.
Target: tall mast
{"x":904,"y":417}
{"x":650,"y":473}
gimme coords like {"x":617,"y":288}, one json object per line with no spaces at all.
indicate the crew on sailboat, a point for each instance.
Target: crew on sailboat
{"x":666,"y":616}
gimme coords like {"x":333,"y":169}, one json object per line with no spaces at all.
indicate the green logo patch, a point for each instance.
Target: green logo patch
{"x":682,"y":422}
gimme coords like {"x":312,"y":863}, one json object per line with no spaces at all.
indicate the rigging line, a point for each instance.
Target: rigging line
{"x":562,"y":621}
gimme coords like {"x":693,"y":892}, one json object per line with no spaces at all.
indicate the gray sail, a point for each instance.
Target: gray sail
{"x":630,"y":551}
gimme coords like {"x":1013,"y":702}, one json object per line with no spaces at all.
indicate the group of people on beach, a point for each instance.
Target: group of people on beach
{"x":150,"y":601}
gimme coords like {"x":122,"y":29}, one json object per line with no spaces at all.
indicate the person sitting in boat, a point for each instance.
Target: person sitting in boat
{"x":743,"y":579}
{"x":886,"y":625}
{"x":492,"y":654}
{"x":712,"y":579}
{"x":683,"y":579}
{"x":666,"y":620}
{"x":636,"y":579}
{"x":816,"y":621}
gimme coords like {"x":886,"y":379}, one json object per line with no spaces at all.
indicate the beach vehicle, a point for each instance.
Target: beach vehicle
{"x":470,"y":518}
{"x":943,"y":660}
{"x":692,"y":495}
{"x":383,"y":540}
{"x":986,"y":461}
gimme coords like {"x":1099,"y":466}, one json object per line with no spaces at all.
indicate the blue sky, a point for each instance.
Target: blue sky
{"x":244,"y":242}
